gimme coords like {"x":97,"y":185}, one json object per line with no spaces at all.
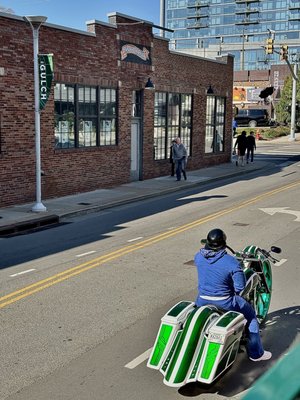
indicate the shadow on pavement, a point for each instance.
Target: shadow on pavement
{"x":93,"y":227}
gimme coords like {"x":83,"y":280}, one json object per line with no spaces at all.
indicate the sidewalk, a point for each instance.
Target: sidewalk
{"x":20,"y":218}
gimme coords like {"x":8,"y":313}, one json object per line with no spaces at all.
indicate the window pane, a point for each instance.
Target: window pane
{"x":215,"y":120}
{"x":172,"y":118}
{"x":87,"y":132}
{"x":64,"y":115}
{"x":107,"y":132}
{"x":108,"y":112}
{"x":186,"y":121}
{"x":160,"y":104}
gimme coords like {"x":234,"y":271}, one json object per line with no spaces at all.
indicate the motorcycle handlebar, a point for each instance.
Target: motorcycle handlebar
{"x":247,"y":255}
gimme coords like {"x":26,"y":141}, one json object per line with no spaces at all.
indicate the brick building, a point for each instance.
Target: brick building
{"x":101,"y":127}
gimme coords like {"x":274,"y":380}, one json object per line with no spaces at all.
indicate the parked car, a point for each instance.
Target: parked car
{"x":253,"y":117}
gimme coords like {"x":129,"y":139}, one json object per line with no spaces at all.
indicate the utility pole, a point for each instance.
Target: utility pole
{"x":284,"y":57}
{"x":293,"y":111}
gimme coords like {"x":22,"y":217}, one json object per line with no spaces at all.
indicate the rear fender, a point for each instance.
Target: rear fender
{"x":188,"y":352}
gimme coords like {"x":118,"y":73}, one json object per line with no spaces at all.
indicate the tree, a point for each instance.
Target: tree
{"x":6,"y":10}
{"x":283,"y":107}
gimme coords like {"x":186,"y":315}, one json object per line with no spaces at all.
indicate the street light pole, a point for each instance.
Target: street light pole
{"x":293,"y":110}
{"x":35,"y":23}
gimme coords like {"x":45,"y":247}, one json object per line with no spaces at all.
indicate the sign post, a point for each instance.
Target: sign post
{"x":35,"y":23}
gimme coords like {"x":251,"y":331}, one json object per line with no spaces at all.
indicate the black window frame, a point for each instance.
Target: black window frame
{"x":171,"y":127}
{"x":84,"y":111}
{"x":214,"y":141}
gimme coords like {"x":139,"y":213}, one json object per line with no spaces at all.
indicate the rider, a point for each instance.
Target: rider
{"x":220,"y":281}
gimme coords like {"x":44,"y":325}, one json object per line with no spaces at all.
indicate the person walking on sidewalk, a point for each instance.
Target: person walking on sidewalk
{"x":241,"y":144}
{"x":171,"y":158}
{"x":179,"y":155}
{"x":251,"y":145}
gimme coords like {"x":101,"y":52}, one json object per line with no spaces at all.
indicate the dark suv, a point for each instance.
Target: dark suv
{"x":252,"y":117}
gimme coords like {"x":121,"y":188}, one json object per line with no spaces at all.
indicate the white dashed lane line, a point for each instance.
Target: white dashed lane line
{"x":138,"y":360}
{"x":86,"y":254}
{"x":22,"y":272}
{"x":133,"y":240}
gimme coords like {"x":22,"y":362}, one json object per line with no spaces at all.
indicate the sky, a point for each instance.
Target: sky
{"x":74,"y":13}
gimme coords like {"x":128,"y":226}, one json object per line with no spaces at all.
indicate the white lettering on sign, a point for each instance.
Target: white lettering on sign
{"x":43,"y":82}
{"x":276,"y":79}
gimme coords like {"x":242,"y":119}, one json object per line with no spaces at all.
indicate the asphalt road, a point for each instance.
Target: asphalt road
{"x":78,"y":320}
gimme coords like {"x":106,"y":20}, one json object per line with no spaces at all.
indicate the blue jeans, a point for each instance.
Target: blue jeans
{"x":237,"y":303}
{"x":180,"y":168}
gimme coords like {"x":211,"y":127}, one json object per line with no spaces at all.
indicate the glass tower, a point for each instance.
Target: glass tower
{"x":241,"y":27}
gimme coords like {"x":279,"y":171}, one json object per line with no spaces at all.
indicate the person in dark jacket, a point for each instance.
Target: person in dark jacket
{"x":220,"y":282}
{"x":171,"y":158}
{"x":179,"y":155}
{"x":251,"y":145}
{"x":241,"y":144}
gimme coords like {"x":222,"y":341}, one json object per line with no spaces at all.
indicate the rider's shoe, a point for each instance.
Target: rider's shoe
{"x":266,"y":356}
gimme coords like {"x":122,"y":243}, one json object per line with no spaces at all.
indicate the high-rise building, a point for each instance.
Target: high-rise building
{"x":243,"y":28}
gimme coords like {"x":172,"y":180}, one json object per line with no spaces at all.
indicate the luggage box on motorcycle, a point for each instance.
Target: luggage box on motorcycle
{"x":221,"y":347}
{"x":170,"y":327}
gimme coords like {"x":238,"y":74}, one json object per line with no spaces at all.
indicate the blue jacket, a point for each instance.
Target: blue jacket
{"x":219,"y":274}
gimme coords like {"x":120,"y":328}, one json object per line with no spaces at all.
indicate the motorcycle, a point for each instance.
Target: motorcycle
{"x":201,"y":343}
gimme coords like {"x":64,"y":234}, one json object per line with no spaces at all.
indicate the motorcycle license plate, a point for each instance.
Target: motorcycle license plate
{"x":216,"y":337}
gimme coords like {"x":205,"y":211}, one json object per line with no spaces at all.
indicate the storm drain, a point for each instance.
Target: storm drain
{"x":29,"y":226}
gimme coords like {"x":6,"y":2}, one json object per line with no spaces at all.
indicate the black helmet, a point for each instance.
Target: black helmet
{"x":216,"y":240}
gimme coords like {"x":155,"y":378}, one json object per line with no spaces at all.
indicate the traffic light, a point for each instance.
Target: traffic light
{"x":284,"y":53}
{"x":269,"y":47}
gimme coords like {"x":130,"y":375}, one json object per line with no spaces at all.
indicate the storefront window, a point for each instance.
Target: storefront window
{"x":215,"y":120}
{"x":108,"y":114}
{"x":87,"y":111}
{"x":85,"y":116}
{"x":64,"y":116}
{"x":172,"y":118}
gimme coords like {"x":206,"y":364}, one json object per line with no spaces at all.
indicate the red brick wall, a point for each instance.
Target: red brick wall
{"x":93,"y":59}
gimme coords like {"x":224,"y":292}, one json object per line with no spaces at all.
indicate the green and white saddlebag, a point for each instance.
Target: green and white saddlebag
{"x":186,"y":352}
{"x":169,"y":332}
{"x":221,"y":346}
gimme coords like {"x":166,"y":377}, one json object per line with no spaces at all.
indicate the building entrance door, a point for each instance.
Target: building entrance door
{"x":135,"y":150}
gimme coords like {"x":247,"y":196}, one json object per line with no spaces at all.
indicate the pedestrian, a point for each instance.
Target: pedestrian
{"x":234,"y":127}
{"x":251,"y":145}
{"x":179,"y":155}
{"x":241,"y":144}
{"x":220,"y":282}
{"x":171,"y":158}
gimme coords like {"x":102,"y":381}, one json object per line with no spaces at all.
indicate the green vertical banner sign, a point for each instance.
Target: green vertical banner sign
{"x":45,"y":77}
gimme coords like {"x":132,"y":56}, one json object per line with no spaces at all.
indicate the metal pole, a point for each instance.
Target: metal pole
{"x":162,"y":17}
{"x":243,"y":52}
{"x":35,"y":23}
{"x":38,"y":207}
{"x":293,"y":111}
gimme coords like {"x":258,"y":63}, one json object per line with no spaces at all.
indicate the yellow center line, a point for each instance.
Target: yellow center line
{"x":61,"y":276}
